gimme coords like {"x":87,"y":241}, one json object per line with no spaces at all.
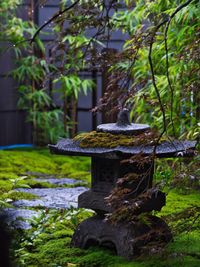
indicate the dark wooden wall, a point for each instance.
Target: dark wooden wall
{"x":14,"y":128}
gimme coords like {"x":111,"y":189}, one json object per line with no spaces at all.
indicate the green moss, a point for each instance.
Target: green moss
{"x":48,"y":242}
{"x":176,"y":202}
{"x":51,"y":253}
{"x":14,"y":195}
{"x":22,"y":162}
{"x":187,"y":243}
{"x":100,"y":139}
{"x":39,"y":184}
{"x":5,"y":186}
{"x":14,"y":163}
{"x":6,"y":174}
{"x":34,"y":163}
{"x":37,"y":163}
{"x":97,"y":257}
{"x":77,"y":168}
{"x":51,"y":240}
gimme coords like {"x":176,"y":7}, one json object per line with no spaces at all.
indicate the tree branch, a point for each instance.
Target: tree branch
{"x":154,"y":79}
{"x":52,"y":19}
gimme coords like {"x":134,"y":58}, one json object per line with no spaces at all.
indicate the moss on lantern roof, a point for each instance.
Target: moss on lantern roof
{"x":107,"y":140}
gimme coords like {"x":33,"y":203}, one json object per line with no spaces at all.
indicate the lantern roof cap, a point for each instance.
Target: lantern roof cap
{"x":123,"y":125}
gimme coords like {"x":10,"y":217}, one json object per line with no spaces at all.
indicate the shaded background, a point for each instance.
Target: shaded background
{"x":14,"y":129}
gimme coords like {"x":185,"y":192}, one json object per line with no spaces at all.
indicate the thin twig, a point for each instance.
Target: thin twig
{"x":32,"y":39}
{"x":102,"y":29}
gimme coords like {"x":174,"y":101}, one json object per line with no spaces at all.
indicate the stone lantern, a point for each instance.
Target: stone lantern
{"x":125,"y":238}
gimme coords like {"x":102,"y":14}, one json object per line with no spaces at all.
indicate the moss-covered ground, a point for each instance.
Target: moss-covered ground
{"x":18,"y":168}
{"x":47,"y":243}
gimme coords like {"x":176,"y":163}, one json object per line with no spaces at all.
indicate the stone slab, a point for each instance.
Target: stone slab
{"x":51,"y":197}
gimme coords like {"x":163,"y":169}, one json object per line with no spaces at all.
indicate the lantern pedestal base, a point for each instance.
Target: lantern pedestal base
{"x":127,"y":240}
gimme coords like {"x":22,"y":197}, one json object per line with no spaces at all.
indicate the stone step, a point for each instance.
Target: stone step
{"x":51,"y":197}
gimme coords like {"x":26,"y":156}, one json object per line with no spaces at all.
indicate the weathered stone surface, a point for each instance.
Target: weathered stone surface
{"x":113,"y":128}
{"x":18,"y":218}
{"x":49,"y":198}
{"x":52,"y":197}
{"x":166,"y":149}
{"x":126,"y":239}
{"x":123,"y":125}
{"x":94,"y":200}
{"x":106,"y":172}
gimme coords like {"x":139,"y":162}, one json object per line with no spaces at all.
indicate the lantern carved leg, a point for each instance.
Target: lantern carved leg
{"x":125,"y":239}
